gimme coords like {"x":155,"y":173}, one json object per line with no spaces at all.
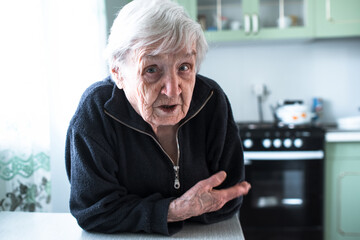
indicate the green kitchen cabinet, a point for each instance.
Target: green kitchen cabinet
{"x":337,"y":18}
{"x":234,"y":20}
{"x":342,"y":191}
{"x":237,"y":20}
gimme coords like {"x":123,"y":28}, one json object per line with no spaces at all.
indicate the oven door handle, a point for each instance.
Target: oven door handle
{"x":282,"y":155}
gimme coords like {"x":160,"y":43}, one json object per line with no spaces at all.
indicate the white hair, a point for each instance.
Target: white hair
{"x":158,"y":26}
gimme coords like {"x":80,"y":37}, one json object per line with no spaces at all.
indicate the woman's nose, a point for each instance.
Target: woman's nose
{"x":171,"y":86}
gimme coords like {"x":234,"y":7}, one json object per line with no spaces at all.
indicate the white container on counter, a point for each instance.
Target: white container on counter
{"x":342,"y":136}
{"x":349,"y":123}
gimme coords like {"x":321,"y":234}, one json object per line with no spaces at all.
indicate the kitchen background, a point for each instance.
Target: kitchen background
{"x":301,"y":68}
{"x":290,"y":69}
{"x":298,"y":69}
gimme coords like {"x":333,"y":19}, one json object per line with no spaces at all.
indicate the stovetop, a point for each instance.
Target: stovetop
{"x":269,"y":136}
{"x":275,"y":125}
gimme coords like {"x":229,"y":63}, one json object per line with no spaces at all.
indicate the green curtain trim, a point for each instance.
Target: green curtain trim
{"x":23,"y":167}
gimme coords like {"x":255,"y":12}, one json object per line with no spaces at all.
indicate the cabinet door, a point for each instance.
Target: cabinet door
{"x":286,"y":19}
{"x":342,"y":191}
{"x":337,"y":18}
{"x":234,"y":20}
{"x":348,"y":212}
{"x":223,"y":20}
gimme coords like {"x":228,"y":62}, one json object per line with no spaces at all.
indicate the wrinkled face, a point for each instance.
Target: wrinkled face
{"x":159,"y":87}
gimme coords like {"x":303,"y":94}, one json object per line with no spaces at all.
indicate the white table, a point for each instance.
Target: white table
{"x":63,"y":226}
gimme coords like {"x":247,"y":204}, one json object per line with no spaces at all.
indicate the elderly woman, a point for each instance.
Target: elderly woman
{"x":155,"y":144}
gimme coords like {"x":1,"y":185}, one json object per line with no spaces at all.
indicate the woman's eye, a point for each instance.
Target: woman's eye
{"x":184,"y":67}
{"x":151,"y":70}
{"x":152,"y":74}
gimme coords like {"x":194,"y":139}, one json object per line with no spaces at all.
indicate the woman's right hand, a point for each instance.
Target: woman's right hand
{"x":202,"y":198}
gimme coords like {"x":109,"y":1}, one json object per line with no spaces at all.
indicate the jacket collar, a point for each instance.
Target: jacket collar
{"x":119,"y":108}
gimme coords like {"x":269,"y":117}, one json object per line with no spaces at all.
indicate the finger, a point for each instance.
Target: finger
{"x":245,"y":187}
{"x":235,"y":191}
{"x":216,"y":179}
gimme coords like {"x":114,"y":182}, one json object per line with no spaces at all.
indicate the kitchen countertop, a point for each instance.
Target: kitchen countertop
{"x":63,"y":226}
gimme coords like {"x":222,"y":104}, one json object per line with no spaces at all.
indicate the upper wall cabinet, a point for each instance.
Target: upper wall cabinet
{"x":236,"y":20}
{"x":337,"y":18}
{"x":232,"y":20}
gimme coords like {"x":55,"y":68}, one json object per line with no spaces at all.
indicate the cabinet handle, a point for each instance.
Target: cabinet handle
{"x":218,"y":15}
{"x":247,"y":25}
{"x":328,"y":10}
{"x":255,"y":23}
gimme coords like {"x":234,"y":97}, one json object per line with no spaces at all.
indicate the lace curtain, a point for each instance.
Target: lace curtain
{"x":39,"y":49}
{"x":24,"y":122}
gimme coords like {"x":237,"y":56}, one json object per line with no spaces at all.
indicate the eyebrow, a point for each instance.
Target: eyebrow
{"x":186,"y":55}
{"x":192,"y":53}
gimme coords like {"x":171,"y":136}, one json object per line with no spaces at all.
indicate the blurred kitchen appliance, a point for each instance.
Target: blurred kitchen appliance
{"x":285,"y":168}
{"x":291,"y":112}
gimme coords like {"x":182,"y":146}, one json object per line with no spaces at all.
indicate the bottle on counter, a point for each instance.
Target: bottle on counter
{"x":317,"y":108}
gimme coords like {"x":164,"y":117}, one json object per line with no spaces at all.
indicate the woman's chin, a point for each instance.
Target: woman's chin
{"x":167,"y":117}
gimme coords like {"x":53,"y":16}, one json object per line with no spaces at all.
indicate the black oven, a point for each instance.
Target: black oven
{"x":285,"y":169}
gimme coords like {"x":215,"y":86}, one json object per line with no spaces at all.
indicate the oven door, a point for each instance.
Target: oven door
{"x":286,"y":193}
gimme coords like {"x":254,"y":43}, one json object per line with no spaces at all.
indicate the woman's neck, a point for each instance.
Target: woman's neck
{"x":167,"y":138}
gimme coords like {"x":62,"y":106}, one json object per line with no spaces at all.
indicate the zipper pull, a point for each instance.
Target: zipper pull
{"x":177,"y":182}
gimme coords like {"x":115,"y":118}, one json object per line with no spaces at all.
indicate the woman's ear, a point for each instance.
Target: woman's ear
{"x":118,"y":78}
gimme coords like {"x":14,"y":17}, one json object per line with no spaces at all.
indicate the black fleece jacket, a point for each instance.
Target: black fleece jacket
{"x":121,"y":178}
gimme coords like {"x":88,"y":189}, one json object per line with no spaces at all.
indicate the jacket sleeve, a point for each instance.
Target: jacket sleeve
{"x":97,"y":199}
{"x":224,"y":152}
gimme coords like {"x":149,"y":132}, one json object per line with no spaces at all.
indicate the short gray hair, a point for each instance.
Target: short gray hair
{"x":142,"y":23}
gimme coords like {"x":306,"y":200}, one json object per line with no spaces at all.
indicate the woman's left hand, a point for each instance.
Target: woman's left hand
{"x":203,"y":198}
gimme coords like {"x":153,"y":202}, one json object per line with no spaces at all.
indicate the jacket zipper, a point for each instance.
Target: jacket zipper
{"x":175,"y":166}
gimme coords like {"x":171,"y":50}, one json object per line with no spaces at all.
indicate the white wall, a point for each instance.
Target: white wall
{"x":328,"y":68}
{"x":75,"y":47}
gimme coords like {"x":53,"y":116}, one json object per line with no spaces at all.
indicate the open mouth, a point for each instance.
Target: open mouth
{"x":168,"y":108}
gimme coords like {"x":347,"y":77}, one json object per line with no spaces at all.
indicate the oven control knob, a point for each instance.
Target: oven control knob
{"x":287,"y":142}
{"x":248,"y":143}
{"x":298,"y":143}
{"x":266,"y":143}
{"x":277,"y":143}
